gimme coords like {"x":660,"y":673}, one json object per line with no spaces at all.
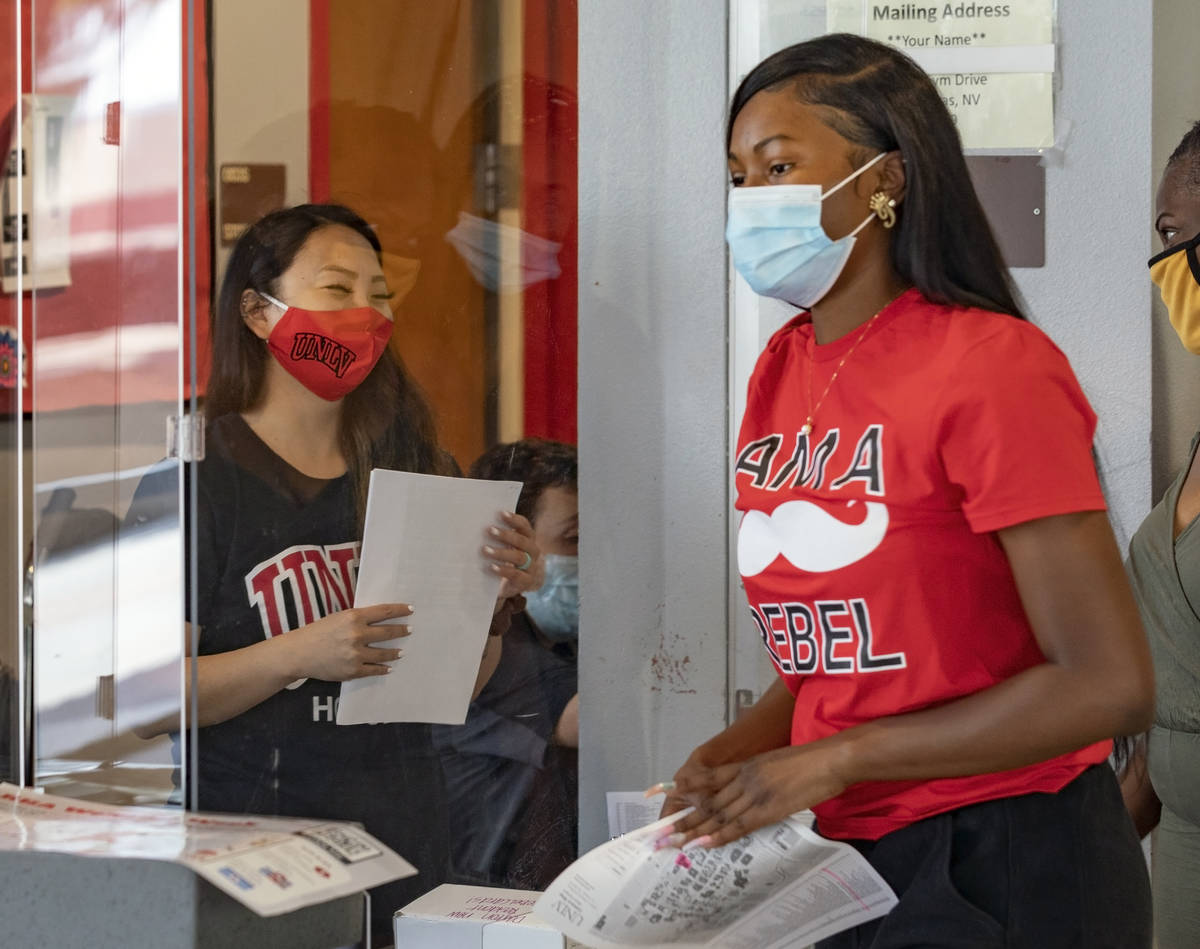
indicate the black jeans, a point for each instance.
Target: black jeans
{"x":1037,"y":871}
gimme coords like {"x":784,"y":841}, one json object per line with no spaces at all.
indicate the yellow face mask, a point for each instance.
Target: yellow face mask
{"x":1176,"y":273}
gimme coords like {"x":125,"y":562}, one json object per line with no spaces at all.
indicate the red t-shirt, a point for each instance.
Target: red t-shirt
{"x":867,"y":547}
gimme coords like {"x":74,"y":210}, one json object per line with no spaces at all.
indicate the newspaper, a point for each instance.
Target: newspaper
{"x":271,"y":865}
{"x":781,"y":886}
{"x":629,"y":810}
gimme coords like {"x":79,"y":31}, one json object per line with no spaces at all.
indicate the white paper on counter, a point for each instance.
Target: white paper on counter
{"x":781,"y":886}
{"x":271,"y":865}
{"x":631,"y":810}
{"x":421,"y":545}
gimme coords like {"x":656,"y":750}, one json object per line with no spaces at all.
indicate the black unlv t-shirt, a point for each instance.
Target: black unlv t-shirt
{"x":277,"y":550}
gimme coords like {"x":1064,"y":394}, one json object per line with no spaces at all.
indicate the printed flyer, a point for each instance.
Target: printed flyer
{"x":270,"y":865}
{"x":993,"y":63}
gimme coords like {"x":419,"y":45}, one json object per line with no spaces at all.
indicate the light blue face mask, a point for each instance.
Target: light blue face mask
{"x":777,"y":242}
{"x":502,"y":257}
{"x":555,"y":605}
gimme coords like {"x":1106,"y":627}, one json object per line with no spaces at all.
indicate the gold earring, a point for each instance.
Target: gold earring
{"x":882,"y":205}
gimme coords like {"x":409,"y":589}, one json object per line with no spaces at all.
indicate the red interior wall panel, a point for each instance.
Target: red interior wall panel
{"x":549,"y":201}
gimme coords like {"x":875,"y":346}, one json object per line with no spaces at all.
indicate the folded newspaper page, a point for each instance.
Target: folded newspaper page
{"x":781,"y":886}
{"x":271,"y":865}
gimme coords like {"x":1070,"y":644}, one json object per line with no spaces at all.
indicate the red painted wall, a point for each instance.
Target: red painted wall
{"x":549,"y":204}
{"x":549,"y":198}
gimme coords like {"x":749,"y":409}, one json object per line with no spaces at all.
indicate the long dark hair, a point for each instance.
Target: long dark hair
{"x":385,"y":422}
{"x":878,"y":98}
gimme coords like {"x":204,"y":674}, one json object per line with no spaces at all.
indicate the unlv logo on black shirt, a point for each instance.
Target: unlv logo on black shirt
{"x":302,"y":584}
{"x":324,"y":350}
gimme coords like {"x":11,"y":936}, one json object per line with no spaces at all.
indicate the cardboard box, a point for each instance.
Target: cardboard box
{"x":475,"y":917}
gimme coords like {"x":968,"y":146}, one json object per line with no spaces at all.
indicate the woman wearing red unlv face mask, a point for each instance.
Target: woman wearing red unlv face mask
{"x":330,"y":352}
{"x":954,"y":663}
{"x":304,"y":399}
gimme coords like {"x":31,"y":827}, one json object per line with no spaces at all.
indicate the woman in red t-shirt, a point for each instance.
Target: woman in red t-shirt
{"x":923,"y":541}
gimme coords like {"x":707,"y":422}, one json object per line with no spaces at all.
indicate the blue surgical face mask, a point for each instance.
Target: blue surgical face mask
{"x":503,"y":257}
{"x":555,"y":605}
{"x":777,"y":242}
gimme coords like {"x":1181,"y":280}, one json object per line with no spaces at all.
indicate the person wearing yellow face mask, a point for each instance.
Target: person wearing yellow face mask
{"x":1176,"y":271}
{"x":1162,"y":782}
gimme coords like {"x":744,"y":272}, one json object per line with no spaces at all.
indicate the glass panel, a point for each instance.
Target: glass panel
{"x":101,"y":133}
{"x":13,"y":527}
{"x":450,"y":128}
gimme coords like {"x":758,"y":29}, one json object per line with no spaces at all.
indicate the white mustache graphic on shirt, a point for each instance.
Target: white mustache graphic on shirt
{"x":810,"y":538}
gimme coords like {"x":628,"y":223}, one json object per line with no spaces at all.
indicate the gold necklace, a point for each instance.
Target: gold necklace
{"x":807,"y":427}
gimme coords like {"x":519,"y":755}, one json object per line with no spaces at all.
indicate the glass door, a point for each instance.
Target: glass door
{"x":147,"y":137}
{"x":98,"y":280}
{"x":14,"y":522}
{"x":445,"y":133}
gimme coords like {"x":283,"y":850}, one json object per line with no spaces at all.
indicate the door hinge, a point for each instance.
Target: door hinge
{"x":743,"y":699}
{"x":106,"y":697}
{"x":112,"y":123}
{"x":185,"y":437}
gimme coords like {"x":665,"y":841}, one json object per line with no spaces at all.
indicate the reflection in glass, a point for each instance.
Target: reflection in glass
{"x":13,"y":554}
{"x":102,"y":110}
{"x":304,"y":399}
{"x":450,"y":128}
{"x":512,"y":769}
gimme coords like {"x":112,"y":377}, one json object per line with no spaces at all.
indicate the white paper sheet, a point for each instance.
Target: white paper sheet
{"x":421,"y":545}
{"x":781,"y":887}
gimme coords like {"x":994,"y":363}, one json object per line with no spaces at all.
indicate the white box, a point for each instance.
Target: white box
{"x":475,"y":917}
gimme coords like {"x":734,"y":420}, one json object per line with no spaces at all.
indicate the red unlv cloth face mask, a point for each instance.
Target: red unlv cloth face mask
{"x":329,"y":351}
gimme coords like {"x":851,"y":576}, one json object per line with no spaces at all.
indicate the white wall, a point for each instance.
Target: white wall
{"x":1093,"y":295}
{"x":652,"y":390}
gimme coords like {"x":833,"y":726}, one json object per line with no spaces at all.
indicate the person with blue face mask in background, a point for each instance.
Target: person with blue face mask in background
{"x":922,"y":543}
{"x":512,"y":768}
{"x":1162,"y":778}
